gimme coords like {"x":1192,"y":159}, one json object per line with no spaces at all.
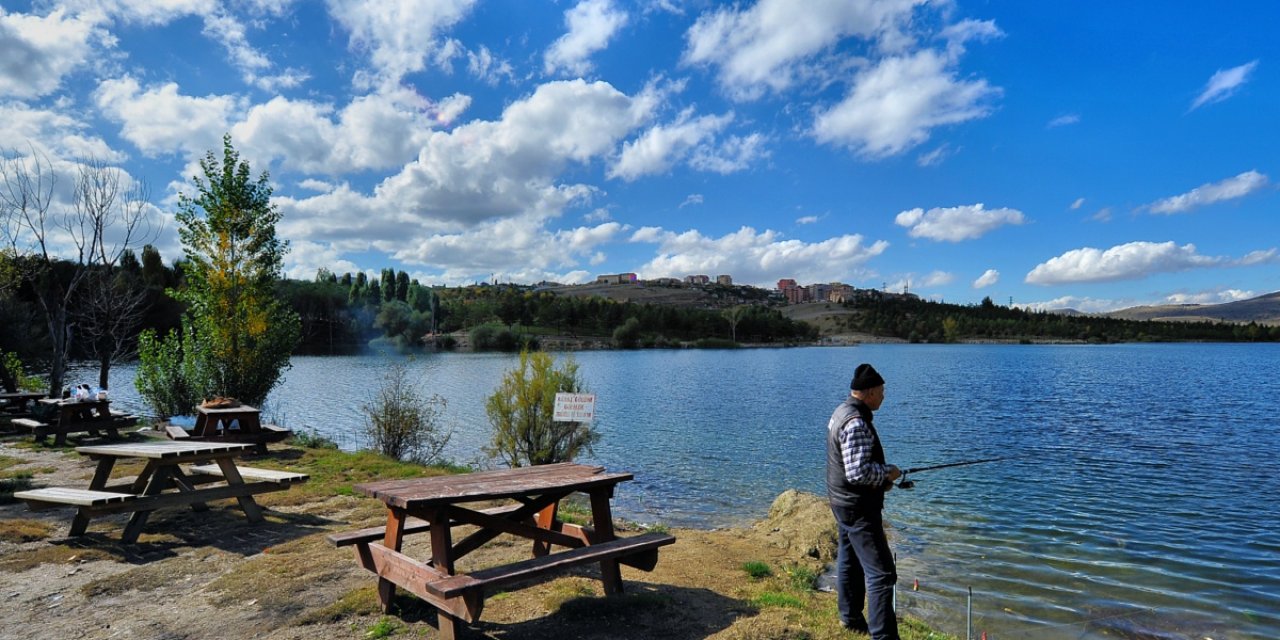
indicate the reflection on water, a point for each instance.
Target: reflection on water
{"x":1138,"y":503}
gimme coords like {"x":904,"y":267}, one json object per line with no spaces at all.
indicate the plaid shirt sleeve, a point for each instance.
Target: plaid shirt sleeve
{"x":855,"y":446}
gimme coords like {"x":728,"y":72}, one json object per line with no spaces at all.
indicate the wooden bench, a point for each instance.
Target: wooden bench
{"x":52,"y":497}
{"x":411,"y":525}
{"x":176,"y":432}
{"x":252,"y":473}
{"x":29,"y":423}
{"x":642,"y":550}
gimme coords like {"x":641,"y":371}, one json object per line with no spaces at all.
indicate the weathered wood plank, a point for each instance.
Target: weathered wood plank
{"x":411,"y":525}
{"x":164,"y":449}
{"x":269,"y":475}
{"x":73,"y":497}
{"x":413,"y":576}
{"x":497,"y":576}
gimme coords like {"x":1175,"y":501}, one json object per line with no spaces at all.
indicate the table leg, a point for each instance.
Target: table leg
{"x":155,"y":484}
{"x":545,"y":519}
{"x":392,"y":539}
{"x":247,"y":503}
{"x":184,"y":485}
{"x":602,"y":520}
{"x":80,"y":523}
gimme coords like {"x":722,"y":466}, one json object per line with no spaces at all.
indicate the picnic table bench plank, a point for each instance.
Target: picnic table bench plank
{"x":452,"y":586}
{"x":266,"y":475}
{"x":50,"y":497}
{"x":411,"y":525}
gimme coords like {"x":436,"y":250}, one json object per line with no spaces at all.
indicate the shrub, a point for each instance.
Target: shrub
{"x":169,"y":372}
{"x":627,"y":336}
{"x":402,"y":424}
{"x":521,"y":411}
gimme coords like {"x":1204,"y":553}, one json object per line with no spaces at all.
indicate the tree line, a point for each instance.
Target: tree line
{"x":917,"y":320}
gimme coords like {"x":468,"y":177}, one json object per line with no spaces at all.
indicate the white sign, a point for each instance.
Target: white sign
{"x":574,"y":407}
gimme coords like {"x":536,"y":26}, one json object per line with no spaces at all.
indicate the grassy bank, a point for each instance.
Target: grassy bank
{"x":213,"y":575}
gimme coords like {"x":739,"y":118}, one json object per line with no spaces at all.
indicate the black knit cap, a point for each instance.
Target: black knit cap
{"x":865,"y":377}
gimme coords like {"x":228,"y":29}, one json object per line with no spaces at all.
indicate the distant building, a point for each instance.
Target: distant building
{"x":699,"y":279}
{"x":725,"y":280}
{"x":796,"y":295}
{"x":840,"y":293}
{"x":819,"y":292}
{"x":786,"y":283}
{"x":620,"y":278}
{"x":668,"y":282}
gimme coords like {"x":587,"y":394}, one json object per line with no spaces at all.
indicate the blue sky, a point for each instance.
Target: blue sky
{"x":1093,"y":155}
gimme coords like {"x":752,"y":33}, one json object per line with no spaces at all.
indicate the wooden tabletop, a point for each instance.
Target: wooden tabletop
{"x":489,"y":485}
{"x":217,"y":411}
{"x":73,"y":402}
{"x":160,"y":450}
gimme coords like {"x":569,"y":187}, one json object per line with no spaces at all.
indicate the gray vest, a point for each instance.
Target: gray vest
{"x":840,"y":492}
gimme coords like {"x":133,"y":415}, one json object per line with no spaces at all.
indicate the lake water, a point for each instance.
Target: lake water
{"x":1139,"y":501}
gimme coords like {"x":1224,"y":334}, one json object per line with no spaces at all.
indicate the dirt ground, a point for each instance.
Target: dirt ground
{"x":214,"y":575}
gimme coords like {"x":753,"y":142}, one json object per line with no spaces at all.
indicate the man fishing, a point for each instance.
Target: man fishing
{"x":857,"y":479}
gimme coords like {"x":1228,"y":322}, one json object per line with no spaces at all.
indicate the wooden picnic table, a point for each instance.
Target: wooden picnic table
{"x":436,"y":505}
{"x":72,"y":416}
{"x":16,"y":401}
{"x":162,"y":483}
{"x":241,"y":423}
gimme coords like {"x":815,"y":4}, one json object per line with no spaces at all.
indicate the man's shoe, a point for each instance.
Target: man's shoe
{"x":859,"y":627}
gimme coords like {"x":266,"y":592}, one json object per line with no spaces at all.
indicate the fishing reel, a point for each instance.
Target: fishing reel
{"x":906,"y":483}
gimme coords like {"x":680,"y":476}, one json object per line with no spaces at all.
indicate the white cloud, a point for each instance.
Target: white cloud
{"x":895,"y":103}
{"x":937,"y":279}
{"x":513,"y":249}
{"x":490,"y":69}
{"x":987,"y":279}
{"x":591,"y":25}
{"x":935,"y":157}
{"x":771,"y":44}
{"x":1102,"y":215}
{"x":953,"y":224}
{"x":1223,"y":84}
{"x":1077,"y":204}
{"x":1206,"y":194}
{"x":807,"y":220}
{"x":691,"y":199}
{"x":1132,"y":261}
{"x":52,"y":133}
{"x":36,"y":52}
{"x":400,"y":36}
{"x":1077,"y":303}
{"x":1218,"y":296}
{"x":159,"y":120}
{"x":663,"y":145}
{"x":1064,"y":120}
{"x":477,"y":199}
{"x":377,"y":131}
{"x":756,"y":257}
{"x":306,"y":258}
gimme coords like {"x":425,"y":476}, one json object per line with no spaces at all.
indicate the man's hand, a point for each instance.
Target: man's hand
{"x":892,"y":473}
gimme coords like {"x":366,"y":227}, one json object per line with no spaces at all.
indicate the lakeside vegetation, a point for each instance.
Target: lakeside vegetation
{"x":916,"y":320}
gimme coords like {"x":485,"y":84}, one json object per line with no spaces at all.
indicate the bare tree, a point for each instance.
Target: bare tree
{"x":734,"y":315}
{"x":57,"y":249}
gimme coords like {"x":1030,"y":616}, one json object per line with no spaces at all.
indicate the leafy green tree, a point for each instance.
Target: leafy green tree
{"x":228,"y":233}
{"x":521,"y":411}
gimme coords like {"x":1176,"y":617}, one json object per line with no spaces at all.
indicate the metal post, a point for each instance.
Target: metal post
{"x":968,"y":631}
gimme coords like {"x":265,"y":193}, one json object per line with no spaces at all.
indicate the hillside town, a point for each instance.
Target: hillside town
{"x":787,"y":291}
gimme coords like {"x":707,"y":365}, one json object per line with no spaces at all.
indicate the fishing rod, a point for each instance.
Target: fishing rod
{"x":904,"y":483}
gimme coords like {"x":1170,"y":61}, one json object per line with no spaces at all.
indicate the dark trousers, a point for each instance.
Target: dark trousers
{"x":864,"y":568}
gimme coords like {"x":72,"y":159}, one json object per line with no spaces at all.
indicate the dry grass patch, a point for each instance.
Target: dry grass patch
{"x":25,"y":559}
{"x":152,"y":576}
{"x":24,"y":530}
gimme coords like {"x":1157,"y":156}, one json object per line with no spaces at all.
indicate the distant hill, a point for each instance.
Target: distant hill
{"x":1262,"y":309}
